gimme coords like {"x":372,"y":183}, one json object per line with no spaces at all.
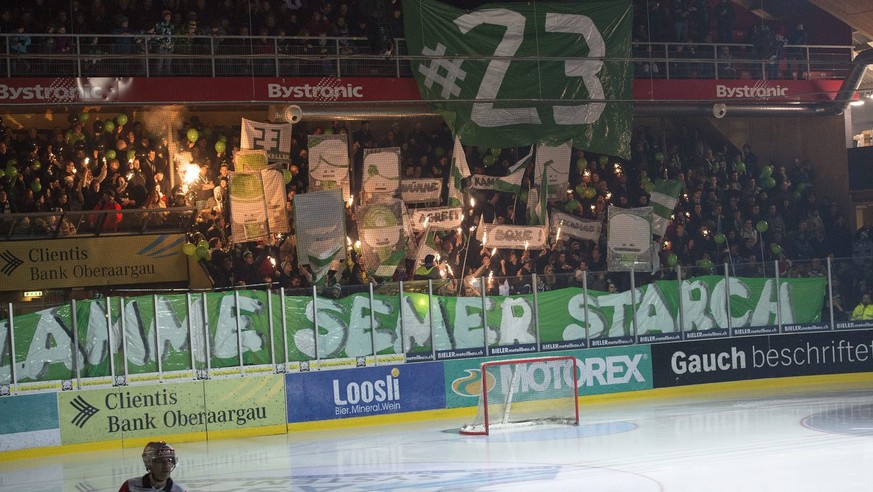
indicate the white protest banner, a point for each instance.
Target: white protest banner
{"x":383,"y":242}
{"x":439,"y":218}
{"x":629,"y":239}
{"x":573,"y":226}
{"x":257,"y":204}
{"x":274,"y":139}
{"x":329,"y":162}
{"x":381,"y":170}
{"x":556,"y":161}
{"x":274,"y":199}
{"x":320,"y":222}
{"x":425,"y":190}
{"x":504,"y":236}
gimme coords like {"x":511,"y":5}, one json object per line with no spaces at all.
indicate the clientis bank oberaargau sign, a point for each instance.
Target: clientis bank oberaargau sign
{"x":144,"y":411}
{"x":60,"y":263}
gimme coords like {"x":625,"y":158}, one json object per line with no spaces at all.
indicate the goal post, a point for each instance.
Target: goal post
{"x":527,"y":391}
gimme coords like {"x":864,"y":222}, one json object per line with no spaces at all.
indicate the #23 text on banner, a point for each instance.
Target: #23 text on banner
{"x":517,"y":74}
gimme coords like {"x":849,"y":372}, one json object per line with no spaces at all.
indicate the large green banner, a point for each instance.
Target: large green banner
{"x":515,"y":74}
{"x":168,"y":329}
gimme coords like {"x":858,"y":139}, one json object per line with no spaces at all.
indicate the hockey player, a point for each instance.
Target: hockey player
{"x":159,"y":459}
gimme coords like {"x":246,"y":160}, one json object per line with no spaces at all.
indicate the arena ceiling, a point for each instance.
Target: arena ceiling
{"x":859,"y":15}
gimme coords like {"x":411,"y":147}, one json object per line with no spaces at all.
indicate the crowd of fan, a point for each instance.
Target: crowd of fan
{"x":193,"y":27}
{"x":726,"y":195}
{"x":228,"y":17}
{"x":771,"y":51}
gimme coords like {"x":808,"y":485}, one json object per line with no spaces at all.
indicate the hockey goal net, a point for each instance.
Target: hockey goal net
{"x":531,"y":391}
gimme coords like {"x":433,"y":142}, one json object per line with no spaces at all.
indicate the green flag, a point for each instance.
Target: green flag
{"x":516,"y":74}
{"x":511,"y":183}
{"x":664,"y":198}
{"x":460,"y":171}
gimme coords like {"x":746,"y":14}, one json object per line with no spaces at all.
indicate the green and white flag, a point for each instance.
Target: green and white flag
{"x":320,"y":222}
{"x":526,"y":73}
{"x":426,"y":246}
{"x":664,"y":198}
{"x":511,"y":183}
{"x":538,"y":199}
{"x":460,"y":171}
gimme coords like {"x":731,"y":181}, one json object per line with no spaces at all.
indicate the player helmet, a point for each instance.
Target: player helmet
{"x":156,"y":450}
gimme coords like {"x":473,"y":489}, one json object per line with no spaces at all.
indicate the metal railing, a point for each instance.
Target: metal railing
{"x":94,"y":223}
{"x":238,"y":56}
{"x":130,"y":337}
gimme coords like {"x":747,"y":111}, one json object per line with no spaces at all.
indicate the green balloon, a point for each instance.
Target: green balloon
{"x":769,"y":181}
{"x":648,"y":187}
{"x":121,"y":119}
{"x":762,"y":226}
{"x":775,"y":249}
{"x":489,"y":160}
{"x":590,"y":193}
{"x":203,"y":244}
{"x":188,"y":249}
{"x":110,"y":154}
{"x":719,"y":238}
{"x":108,"y":126}
{"x":329,"y":131}
{"x":131,"y":155}
{"x":582,"y":165}
{"x":705,"y":263}
{"x":672,"y":259}
{"x":287,"y":174}
{"x":495,"y":151}
{"x":741,"y":167}
{"x":571,"y":205}
{"x":767,"y":171}
{"x":659,"y":156}
{"x":193,"y":135}
{"x":36,"y":165}
{"x":201,"y":251}
{"x":36,"y":186}
{"x":604,"y":160}
{"x":796,"y":195}
{"x":11,"y":171}
{"x":220,"y":147}
{"x":83,"y":116}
